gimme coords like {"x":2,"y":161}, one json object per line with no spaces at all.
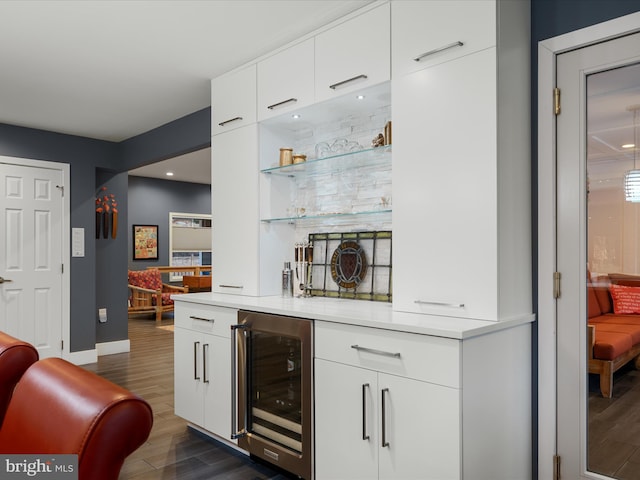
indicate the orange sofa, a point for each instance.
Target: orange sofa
{"x":60,"y":408}
{"x":613,"y":326}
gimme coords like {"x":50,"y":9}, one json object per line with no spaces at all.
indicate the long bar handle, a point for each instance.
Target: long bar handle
{"x":195,"y":360}
{"x":349,"y":80}
{"x":365,"y":436}
{"x":279,"y":104}
{"x":384,"y":418}
{"x":376,"y":352}
{"x":440,"y":304}
{"x":235,"y":119}
{"x":235,"y":433}
{"x":230,"y":286}
{"x":193,"y":317}
{"x":205,"y":354}
{"x":438,"y":50}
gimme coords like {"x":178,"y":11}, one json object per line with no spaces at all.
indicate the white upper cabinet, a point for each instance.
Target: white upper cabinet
{"x":426,"y":33}
{"x":233,"y":100}
{"x":354,"y":54}
{"x":285,"y":80}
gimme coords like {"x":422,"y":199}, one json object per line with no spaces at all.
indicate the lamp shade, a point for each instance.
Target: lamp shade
{"x":632,"y":186}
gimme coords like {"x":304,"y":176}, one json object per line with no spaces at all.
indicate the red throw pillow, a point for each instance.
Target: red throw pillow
{"x":625,"y":299}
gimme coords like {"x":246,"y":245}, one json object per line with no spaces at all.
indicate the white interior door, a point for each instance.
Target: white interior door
{"x":31,"y":255}
{"x":575,"y":182}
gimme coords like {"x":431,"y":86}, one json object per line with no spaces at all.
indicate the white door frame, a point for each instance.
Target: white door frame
{"x":65,"y":169}
{"x":547,"y":365}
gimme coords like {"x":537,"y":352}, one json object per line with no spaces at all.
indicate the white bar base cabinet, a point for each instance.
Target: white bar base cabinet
{"x":202,"y":366}
{"x":394,"y":405}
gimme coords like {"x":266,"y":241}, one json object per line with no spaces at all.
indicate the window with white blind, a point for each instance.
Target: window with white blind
{"x":189,"y":241}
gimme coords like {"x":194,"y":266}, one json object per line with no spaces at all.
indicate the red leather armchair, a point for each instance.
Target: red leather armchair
{"x":60,"y":408}
{"x":15,"y":357}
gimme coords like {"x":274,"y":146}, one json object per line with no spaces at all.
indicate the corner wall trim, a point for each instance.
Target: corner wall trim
{"x":82,"y":357}
{"x":109,"y":348}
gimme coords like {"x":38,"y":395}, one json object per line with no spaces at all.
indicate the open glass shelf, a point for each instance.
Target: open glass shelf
{"x":336,"y":163}
{"x":346,"y":217}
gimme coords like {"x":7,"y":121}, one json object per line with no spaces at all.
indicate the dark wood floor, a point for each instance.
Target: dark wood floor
{"x":173,"y":451}
{"x":614,"y":427}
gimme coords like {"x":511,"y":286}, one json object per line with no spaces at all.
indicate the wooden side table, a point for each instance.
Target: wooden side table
{"x":197,"y":283}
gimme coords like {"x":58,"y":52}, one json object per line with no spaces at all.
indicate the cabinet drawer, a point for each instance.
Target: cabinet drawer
{"x":431,"y":359}
{"x":426,"y":33}
{"x":233,"y":100}
{"x":207,"y":319}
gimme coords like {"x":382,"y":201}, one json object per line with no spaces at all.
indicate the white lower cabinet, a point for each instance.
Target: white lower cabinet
{"x":415,"y":434}
{"x":202,"y":367}
{"x":404,"y":406}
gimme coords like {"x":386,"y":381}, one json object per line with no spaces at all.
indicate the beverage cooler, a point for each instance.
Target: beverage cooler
{"x":272,"y":387}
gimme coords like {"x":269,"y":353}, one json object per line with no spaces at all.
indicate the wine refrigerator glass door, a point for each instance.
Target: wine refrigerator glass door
{"x":275,"y":389}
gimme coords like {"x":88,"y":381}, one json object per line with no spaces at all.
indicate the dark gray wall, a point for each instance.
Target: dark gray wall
{"x":99,"y":278}
{"x":151,"y":200}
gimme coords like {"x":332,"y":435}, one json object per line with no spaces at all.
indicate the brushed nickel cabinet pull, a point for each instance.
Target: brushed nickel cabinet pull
{"x":205,"y":351}
{"x":222,"y":124}
{"x":279,"y":104}
{"x":235,"y":433}
{"x":440,"y":304}
{"x":230,"y":286}
{"x":193,"y":317}
{"x":344,"y":82}
{"x":365,"y":435}
{"x":438,"y":50}
{"x":375,"y":351}
{"x":384,"y":418}
{"x":195,"y":360}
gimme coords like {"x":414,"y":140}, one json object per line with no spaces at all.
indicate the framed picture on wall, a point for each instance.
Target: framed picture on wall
{"x":145,"y":242}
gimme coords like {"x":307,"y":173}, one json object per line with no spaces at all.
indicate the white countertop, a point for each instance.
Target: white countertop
{"x":356,"y":312}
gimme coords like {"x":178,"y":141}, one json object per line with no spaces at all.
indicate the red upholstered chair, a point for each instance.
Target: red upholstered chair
{"x":15,"y":357}
{"x":147,"y":293}
{"x":60,"y":408}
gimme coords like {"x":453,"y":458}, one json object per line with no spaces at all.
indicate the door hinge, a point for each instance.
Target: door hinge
{"x":62,"y":268}
{"x":556,"y":101}
{"x":62,"y":345}
{"x":556,"y":467}
{"x":556,"y":284}
{"x":61,"y":188}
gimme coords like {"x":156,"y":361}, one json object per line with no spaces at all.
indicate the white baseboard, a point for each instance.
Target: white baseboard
{"x":109,"y":348}
{"x":82,"y":357}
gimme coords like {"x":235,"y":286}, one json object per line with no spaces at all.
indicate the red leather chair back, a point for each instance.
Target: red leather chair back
{"x":15,"y":357}
{"x":60,"y":408}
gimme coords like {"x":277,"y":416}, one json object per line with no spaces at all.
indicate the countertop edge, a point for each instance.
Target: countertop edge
{"x":360,"y":313}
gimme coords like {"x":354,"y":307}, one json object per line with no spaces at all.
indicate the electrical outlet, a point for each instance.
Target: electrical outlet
{"x":102,"y":315}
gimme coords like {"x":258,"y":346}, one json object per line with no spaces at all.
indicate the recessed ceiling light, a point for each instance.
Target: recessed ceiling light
{"x":628,"y":145}
{"x":169,"y":174}
{"x":360,"y":97}
{"x":295,"y":115}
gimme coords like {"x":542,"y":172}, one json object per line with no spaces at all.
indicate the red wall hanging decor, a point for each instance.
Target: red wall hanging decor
{"x":106,"y":214}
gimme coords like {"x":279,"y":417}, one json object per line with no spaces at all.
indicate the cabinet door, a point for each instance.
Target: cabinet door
{"x":425,"y":33}
{"x":216,"y":378}
{"x":188,"y":386}
{"x":233,"y":100}
{"x":421,"y":425}
{"x":445,"y":231}
{"x":234,"y":211}
{"x":285,"y":80}
{"x":345,"y":416}
{"x":354,"y":54}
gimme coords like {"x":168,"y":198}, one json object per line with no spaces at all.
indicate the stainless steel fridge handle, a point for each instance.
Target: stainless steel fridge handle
{"x":235,"y":433}
{"x":365,"y":436}
{"x":205,"y":351}
{"x":384,"y":418}
{"x":195,"y":360}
